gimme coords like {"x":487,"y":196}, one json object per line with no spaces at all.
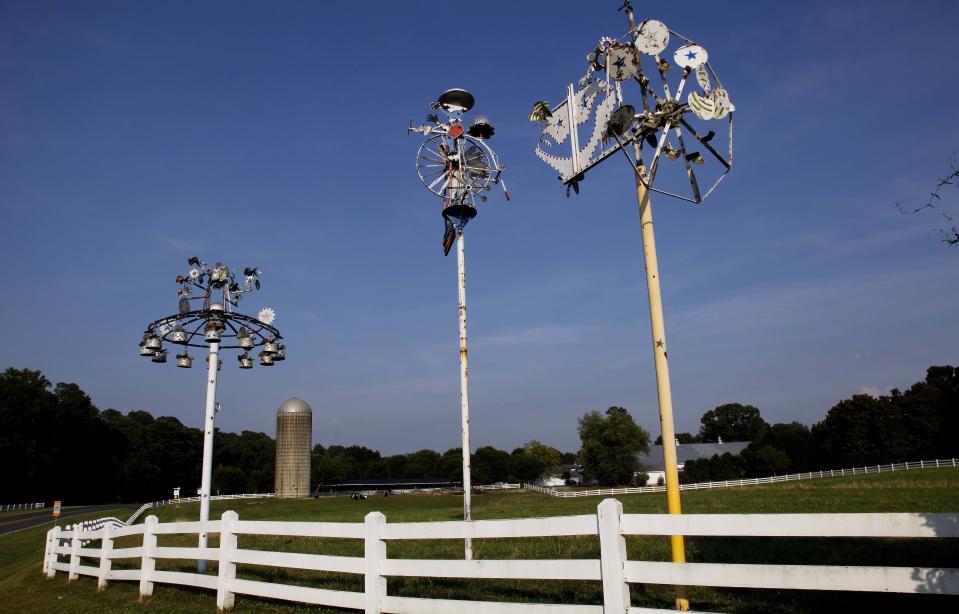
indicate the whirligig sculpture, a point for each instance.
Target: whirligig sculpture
{"x":675,"y":131}
{"x":456,"y":164}
{"x":208,"y":296}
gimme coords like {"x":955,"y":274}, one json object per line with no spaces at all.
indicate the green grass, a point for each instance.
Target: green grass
{"x":931,"y":490}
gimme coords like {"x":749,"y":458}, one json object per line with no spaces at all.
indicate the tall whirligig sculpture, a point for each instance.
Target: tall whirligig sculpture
{"x":456,"y":164}
{"x":675,"y":130}
{"x":208,"y":296}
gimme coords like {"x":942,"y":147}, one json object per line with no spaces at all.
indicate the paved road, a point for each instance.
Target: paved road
{"x":35,"y":518}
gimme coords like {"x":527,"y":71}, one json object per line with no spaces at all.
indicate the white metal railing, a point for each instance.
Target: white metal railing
{"x":9,"y":507}
{"x":612,"y":569}
{"x":809,"y":475}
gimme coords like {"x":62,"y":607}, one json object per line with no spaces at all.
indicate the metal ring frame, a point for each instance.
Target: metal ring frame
{"x":194,"y":323}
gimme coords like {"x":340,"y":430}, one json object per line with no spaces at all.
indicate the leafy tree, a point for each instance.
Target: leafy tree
{"x":523,"y":466}
{"x":545,"y":456}
{"x":767,"y":460}
{"x":611,"y":445}
{"x":732,"y":422}
{"x":725,"y":467}
{"x":793,"y":439}
{"x":490,"y":465}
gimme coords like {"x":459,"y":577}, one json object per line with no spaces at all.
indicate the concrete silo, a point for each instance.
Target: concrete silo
{"x":294,"y":440}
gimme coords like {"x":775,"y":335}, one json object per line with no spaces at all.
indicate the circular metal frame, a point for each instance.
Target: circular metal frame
{"x":447,"y":165}
{"x":194,"y":324}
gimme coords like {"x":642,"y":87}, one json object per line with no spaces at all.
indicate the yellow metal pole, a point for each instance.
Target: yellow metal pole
{"x":658,"y":327}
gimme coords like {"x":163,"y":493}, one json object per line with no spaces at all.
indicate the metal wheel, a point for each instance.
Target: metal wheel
{"x":446,"y":165}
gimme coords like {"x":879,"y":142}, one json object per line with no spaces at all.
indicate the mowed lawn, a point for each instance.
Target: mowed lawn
{"x":930,"y":490}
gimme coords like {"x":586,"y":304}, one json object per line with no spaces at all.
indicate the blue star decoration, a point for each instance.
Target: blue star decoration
{"x":620,"y":63}
{"x":691,"y":55}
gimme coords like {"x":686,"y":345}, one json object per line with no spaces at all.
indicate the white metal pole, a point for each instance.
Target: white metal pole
{"x":464,"y":386}
{"x":213,"y":364}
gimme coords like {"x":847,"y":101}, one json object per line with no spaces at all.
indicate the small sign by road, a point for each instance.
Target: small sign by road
{"x":56,"y":509}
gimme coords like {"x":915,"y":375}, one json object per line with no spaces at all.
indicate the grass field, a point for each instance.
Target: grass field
{"x":930,"y":490}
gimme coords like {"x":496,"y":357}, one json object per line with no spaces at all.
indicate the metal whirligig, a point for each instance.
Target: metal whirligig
{"x":458,"y":166}
{"x":668,"y":119}
{"x":213,"y":324}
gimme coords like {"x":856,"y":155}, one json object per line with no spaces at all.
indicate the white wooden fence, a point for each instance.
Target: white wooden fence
{"x":613,"y":570}
{"x":9,"y":507}
{"x":776,"y":479}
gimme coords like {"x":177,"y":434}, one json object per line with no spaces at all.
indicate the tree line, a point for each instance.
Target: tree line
{"x":920,"y":423}
{"x":55,"y":443}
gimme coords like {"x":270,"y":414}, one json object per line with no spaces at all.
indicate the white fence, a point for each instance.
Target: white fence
{"x":498,"y":486}
{"x":21,"y":506}
{"x":612,"y":569}
{"x":832,"y":473}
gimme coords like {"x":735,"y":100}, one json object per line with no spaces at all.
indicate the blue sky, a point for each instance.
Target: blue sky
{"x":135,"y":135}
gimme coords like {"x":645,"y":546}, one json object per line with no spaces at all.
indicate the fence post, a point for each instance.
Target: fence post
{"x":921,"y":465}
{"x":74,"y":554}
{"x":46,"y":551}
{"x":612,"y":547}
{"x":374,"y":551}
{"x":106,"y":548}
{"x":54,"y":557}
{"x":148,"y":562}
{"x":226,"y":567}
{"x":937,"y":463}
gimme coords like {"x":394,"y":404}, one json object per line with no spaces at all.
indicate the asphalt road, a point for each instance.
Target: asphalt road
{"x":35,"y":518}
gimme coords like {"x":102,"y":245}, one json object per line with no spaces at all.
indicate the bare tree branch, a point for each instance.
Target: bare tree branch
{"x":950,"y":234}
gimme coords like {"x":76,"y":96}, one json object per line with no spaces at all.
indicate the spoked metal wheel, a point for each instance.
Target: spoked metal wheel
{"x":445,"y":164}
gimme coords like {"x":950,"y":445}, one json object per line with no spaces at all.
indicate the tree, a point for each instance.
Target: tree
{"x":950,"y":232}
{"x":732,"y":422}
{"x":793,"y":439}
{"x":490,"y":465}
{"x":611,"y":446}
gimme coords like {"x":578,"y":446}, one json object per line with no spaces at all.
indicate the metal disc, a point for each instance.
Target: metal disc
{"x":456,"y":99}
{"x":702,"y":76}
{"x":702,"y":105}
{"x":690,"y":56}
{"x":653,"y":37}
{"x":621,"y":120}
{"x":721,"y":103}
{"x":622,"y":64}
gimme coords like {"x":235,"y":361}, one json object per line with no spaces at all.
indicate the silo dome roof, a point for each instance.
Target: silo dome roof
{"x":294,"y":405}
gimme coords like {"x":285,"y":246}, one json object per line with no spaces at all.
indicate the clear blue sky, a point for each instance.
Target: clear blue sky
{"x":136,"y":134}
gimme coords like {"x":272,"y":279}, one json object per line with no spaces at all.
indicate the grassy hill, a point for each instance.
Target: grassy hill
{"x":931,"y":490}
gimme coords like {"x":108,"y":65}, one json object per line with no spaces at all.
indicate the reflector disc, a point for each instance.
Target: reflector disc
{"x":690,"y":56}
{"x":622,"y":64}
{"x":653,"y":37}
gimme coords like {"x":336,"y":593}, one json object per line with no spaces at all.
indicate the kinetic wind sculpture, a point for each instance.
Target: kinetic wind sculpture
{"x":215,"y":325}
{"x":457,"y":165}
{"x":676,"y":114}
{"x":667,"y":121}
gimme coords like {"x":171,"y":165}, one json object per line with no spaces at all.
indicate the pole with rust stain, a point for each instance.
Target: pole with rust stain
{"x":464,"y":384}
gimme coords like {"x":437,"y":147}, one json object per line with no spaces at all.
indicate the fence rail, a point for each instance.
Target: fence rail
{"x":9,"y":507}
{"x":612,"y":569}
{"x":776,"y":479}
